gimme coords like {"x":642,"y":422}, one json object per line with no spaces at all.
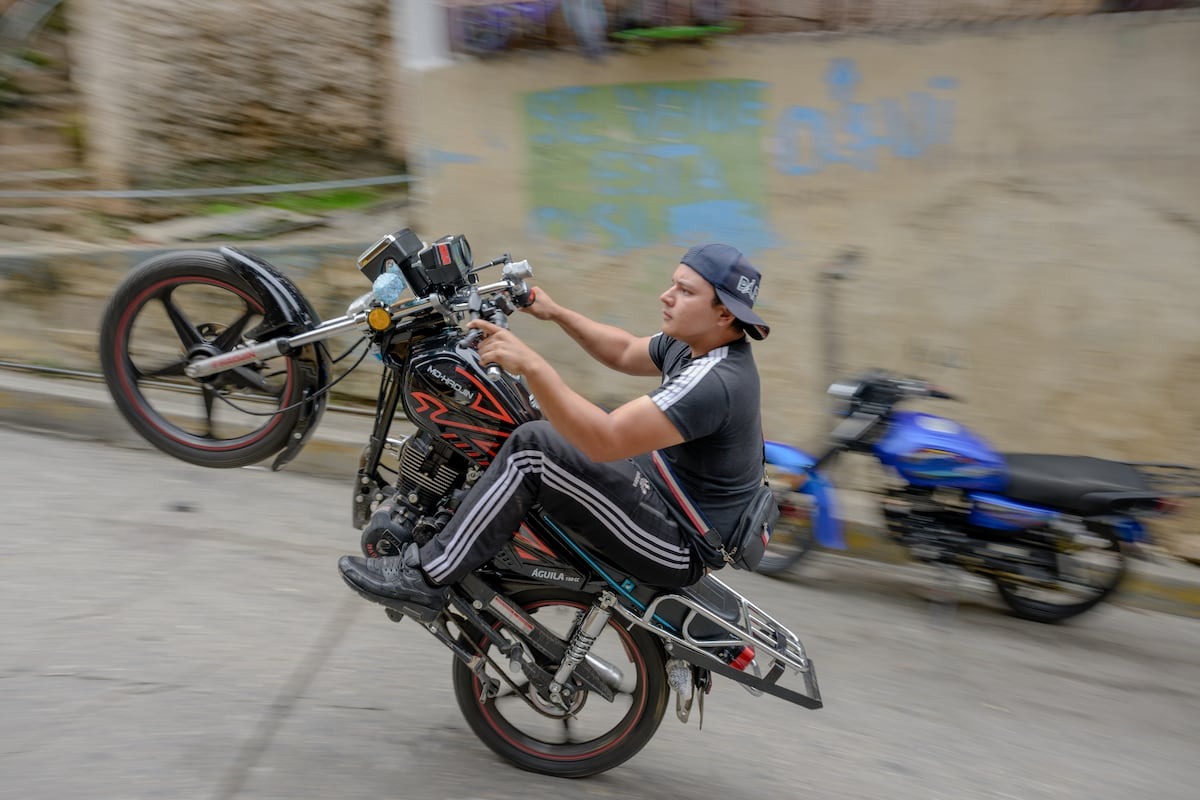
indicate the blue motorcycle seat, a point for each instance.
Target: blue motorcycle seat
{"x":1077,"y":484}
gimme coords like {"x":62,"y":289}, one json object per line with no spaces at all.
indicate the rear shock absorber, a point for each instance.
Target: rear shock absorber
{"x":581,"y":643}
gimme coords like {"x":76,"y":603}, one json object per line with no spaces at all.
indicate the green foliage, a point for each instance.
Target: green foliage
{"x":216,"y":209}
{"x":36,"y":58}
{"x":333,"y":200}
{"x":299,"y":202}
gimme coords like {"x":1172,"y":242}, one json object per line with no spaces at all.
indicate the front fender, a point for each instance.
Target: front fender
{"x":287,"y":312}
{"x":826,"y":527}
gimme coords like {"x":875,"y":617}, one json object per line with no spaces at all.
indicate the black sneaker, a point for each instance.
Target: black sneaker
{"x":394,"y":581}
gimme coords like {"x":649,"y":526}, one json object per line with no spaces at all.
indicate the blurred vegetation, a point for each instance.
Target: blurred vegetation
{"x":282,"y":168}
{"x":304,"y":202}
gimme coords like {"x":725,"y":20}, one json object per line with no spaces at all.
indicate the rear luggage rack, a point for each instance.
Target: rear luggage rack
{"x":776,"y":649}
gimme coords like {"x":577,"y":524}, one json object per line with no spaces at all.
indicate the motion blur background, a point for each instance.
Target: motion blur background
{"x":999,"y":195}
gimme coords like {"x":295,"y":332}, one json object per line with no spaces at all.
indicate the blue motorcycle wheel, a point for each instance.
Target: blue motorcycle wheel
{"x":1074,"y":580}
{"x":793,"y":536}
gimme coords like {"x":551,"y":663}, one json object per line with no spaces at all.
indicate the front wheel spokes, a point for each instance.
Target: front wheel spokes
{"x":205,"y":321}
{"x":233,"y":334}
{"x":188,"y":333}
{"x":249,"y":378}
{"x":172,"y":370}
{"x":208,"y":394}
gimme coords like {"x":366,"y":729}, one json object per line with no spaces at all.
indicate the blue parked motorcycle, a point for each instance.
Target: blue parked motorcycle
{"x":1049,"y":530}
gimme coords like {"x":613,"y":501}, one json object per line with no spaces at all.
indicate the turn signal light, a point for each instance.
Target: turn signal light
{"x":1166,"y":505}
{"x":380,"y":319}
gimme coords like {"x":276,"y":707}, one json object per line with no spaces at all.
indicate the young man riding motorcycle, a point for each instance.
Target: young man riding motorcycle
{"x":629,"y":481}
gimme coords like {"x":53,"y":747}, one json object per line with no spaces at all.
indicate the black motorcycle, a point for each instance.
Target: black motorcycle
{"x":549,"y":624}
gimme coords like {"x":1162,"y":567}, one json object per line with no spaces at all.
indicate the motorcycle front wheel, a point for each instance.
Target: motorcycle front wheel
{"x":593,"y":735}
{"x":176,"y":308}
{"x":1072,"y":580}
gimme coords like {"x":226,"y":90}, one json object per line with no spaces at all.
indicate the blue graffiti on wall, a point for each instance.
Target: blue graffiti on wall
{"x":632,"y":165}
{"x":627,"y":166}
{"x":809,"y":139}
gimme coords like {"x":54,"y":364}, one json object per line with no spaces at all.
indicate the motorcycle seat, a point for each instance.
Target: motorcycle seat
{"x":713,"y":596}
{"x":1077,"y":484}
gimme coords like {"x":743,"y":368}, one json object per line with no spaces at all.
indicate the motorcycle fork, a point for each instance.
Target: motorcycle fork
{"x":368,"y":483}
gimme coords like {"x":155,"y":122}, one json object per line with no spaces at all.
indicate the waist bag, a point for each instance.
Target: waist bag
{"x":744,"y":547}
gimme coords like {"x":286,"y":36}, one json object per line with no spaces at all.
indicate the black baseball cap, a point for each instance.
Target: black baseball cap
{"x":736,"y":280}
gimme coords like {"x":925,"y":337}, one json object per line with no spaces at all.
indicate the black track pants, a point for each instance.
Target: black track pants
{"x":611,"y":505}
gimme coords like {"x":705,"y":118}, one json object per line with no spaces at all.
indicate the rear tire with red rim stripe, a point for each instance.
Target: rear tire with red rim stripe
{"x":599,"y":735}
{"x":176,"y":308}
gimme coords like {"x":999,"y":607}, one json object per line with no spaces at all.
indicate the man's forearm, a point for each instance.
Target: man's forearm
{"x":605,"y":343}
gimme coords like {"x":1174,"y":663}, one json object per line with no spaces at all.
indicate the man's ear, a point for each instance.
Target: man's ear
{"x":725,"y":316}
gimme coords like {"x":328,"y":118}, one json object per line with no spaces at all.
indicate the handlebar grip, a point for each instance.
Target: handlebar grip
{"x":498,"y":318}
{"x":525,"y":300}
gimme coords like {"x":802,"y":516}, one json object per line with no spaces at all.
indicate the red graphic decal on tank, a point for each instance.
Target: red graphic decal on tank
{"x":437,"y":416}
{"x":497,"y":410}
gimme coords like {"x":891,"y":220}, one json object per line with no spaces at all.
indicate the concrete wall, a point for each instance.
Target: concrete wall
{"x":1024,"y":196}
{"x":167,"y":83}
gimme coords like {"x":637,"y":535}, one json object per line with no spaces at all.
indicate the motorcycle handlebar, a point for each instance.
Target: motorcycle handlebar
{"x":512,"y":286}
{"x":498,"y":317}
{"x":919,"y":388}
{"x":879,"y":387}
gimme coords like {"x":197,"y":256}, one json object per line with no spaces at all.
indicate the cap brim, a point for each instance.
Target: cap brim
{"x":756,"y":327}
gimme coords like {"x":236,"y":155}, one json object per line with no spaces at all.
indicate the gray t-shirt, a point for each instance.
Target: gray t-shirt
{"x":713,"y":401}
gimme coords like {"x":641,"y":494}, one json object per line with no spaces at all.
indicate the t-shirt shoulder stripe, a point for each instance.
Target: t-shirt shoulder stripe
{"x":678,"y":387}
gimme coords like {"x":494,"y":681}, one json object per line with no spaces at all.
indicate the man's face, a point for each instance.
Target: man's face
{"x":688,"y":306}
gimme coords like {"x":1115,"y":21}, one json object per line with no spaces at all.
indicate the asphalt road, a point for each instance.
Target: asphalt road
{"x":168,"y":631}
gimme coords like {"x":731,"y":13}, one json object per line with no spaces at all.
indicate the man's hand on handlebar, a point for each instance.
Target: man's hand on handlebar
{"x":501,"y":346}
{"x":541,"y":305}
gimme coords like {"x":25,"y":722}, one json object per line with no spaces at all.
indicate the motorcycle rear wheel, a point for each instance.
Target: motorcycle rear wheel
{"x":1098,"y":569}
{"x":600,"y":735}
{"x":173,"y":309}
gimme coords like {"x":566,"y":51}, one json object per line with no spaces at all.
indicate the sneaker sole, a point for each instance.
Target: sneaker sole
{"x":422,"y":614}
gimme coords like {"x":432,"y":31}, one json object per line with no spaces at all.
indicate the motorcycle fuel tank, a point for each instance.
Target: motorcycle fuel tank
{"x":928,"y":450}
{"x":448,"y":393}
